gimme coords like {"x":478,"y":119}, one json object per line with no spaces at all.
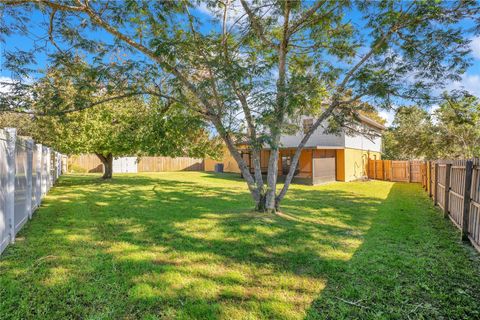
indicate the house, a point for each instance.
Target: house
{"x":325,"y":158}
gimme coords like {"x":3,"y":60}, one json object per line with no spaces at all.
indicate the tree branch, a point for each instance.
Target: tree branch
{"x":305,"y":16}
{"x":256,"y":25}
{"x":53,"y":5}
{"x":96,"y":103}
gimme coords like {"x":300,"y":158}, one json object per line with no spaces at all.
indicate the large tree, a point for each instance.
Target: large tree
{"x":124,"y":128}
{"x":412,"y":135}
{"x":451,"y":131}
{"x":458,"y":127}
{"x":253,"y":68}
{"x":76,"y":115}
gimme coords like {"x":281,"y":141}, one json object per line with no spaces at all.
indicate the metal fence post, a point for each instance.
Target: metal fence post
{"x":448,"y":167}
{"x":466,"y":198}
{"x":11,"y":134}
{"x":29,"y":173}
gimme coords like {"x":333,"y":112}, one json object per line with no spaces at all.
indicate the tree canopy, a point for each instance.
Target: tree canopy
{"x":452,"y":131}
{"x":133,"y":125}
{"x":253,"y":67}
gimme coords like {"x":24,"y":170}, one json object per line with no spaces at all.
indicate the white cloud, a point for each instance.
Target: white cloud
{"x":388,"y":115}
{"x":202,"y":7}
{"x":475,"y":46}
{"x":433,"y":108}
{"x":3,"y":87}
{"x":471,"y":83}
{"x":235,"y":12}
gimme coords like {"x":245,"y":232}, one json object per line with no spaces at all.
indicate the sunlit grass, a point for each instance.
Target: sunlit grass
{"x":186,"y":245}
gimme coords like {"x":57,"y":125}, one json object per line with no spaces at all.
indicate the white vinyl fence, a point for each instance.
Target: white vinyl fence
{"x":27,"y":171}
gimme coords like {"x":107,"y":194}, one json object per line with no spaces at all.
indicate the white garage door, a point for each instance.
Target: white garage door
{"x":125,"y":165}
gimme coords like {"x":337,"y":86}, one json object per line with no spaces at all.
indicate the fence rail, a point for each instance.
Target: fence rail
{"x":454,"y":186}
{"x":27,"y":171}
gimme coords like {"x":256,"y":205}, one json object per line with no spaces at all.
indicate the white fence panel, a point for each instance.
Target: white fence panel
{"x":4,"y":232}
{"x":20,"y":212}
{"x":125,"y":165}
{"x":27,"y":171}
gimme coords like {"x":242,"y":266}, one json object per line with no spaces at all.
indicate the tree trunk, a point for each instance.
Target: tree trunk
{"x":107,"y":162}
{"x":270,"y":196}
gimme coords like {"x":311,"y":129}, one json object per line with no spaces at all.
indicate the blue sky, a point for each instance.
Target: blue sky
{"x":470,"y":80}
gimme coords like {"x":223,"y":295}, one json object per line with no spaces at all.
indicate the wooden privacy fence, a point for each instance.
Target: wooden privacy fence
{"x":161,"y":164}
{"x":455,"y":188}
{"x":91,"y":163}
{"x":394,"y":170}
{"x":454,"y":185}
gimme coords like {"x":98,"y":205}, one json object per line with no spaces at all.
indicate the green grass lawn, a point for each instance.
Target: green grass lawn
{"x":188,"y":246}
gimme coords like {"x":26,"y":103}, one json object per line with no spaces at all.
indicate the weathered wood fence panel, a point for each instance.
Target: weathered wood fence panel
{"x":474,"y":218}
{"x":161,"y":164}
{"x":453,"y":185}
{"x":91,"y":163}
{"x":394,"y":170}
{"x":88,"y":162}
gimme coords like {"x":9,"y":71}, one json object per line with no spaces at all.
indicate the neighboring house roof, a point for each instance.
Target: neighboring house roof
{"x":322,"y":140}
{"x":370,"y":122}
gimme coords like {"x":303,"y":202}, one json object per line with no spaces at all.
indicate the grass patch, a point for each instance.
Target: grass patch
{"x":188,"y":246}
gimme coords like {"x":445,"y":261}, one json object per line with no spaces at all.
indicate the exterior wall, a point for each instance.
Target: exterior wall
{"x":340,"y":158}
{"x":318,"y":138}
{"x":229,"y":163}
{"x":355,"y":163}
{"x":331,"y":141}
{"x":361,"y":142}
{"x":324,"y":166}
{"x":304,"y":162}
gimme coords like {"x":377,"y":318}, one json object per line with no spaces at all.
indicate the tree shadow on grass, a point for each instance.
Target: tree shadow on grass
{"x":181,"y":248}
{"x":411,"y":265}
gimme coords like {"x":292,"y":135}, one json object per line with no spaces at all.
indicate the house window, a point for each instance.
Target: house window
{"x":307,"y":125}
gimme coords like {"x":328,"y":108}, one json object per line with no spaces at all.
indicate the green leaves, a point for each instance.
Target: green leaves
{"x":452,"y":131}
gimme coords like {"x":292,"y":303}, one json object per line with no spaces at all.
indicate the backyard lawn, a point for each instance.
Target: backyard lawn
{"x":188,"y":246}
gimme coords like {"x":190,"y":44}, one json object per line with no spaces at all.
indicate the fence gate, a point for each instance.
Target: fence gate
{"x":125,"y":165}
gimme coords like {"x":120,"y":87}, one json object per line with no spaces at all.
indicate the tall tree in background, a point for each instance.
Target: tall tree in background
{"x":107,"y":130}
{"x":262,"y":63}
{"x":77,"y":121}
{"x":411,"y":135}
{"x":458,"y":127}
{"x":452,"y":131}
{"x":22,"y":122}
{"x":125,"y":128}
